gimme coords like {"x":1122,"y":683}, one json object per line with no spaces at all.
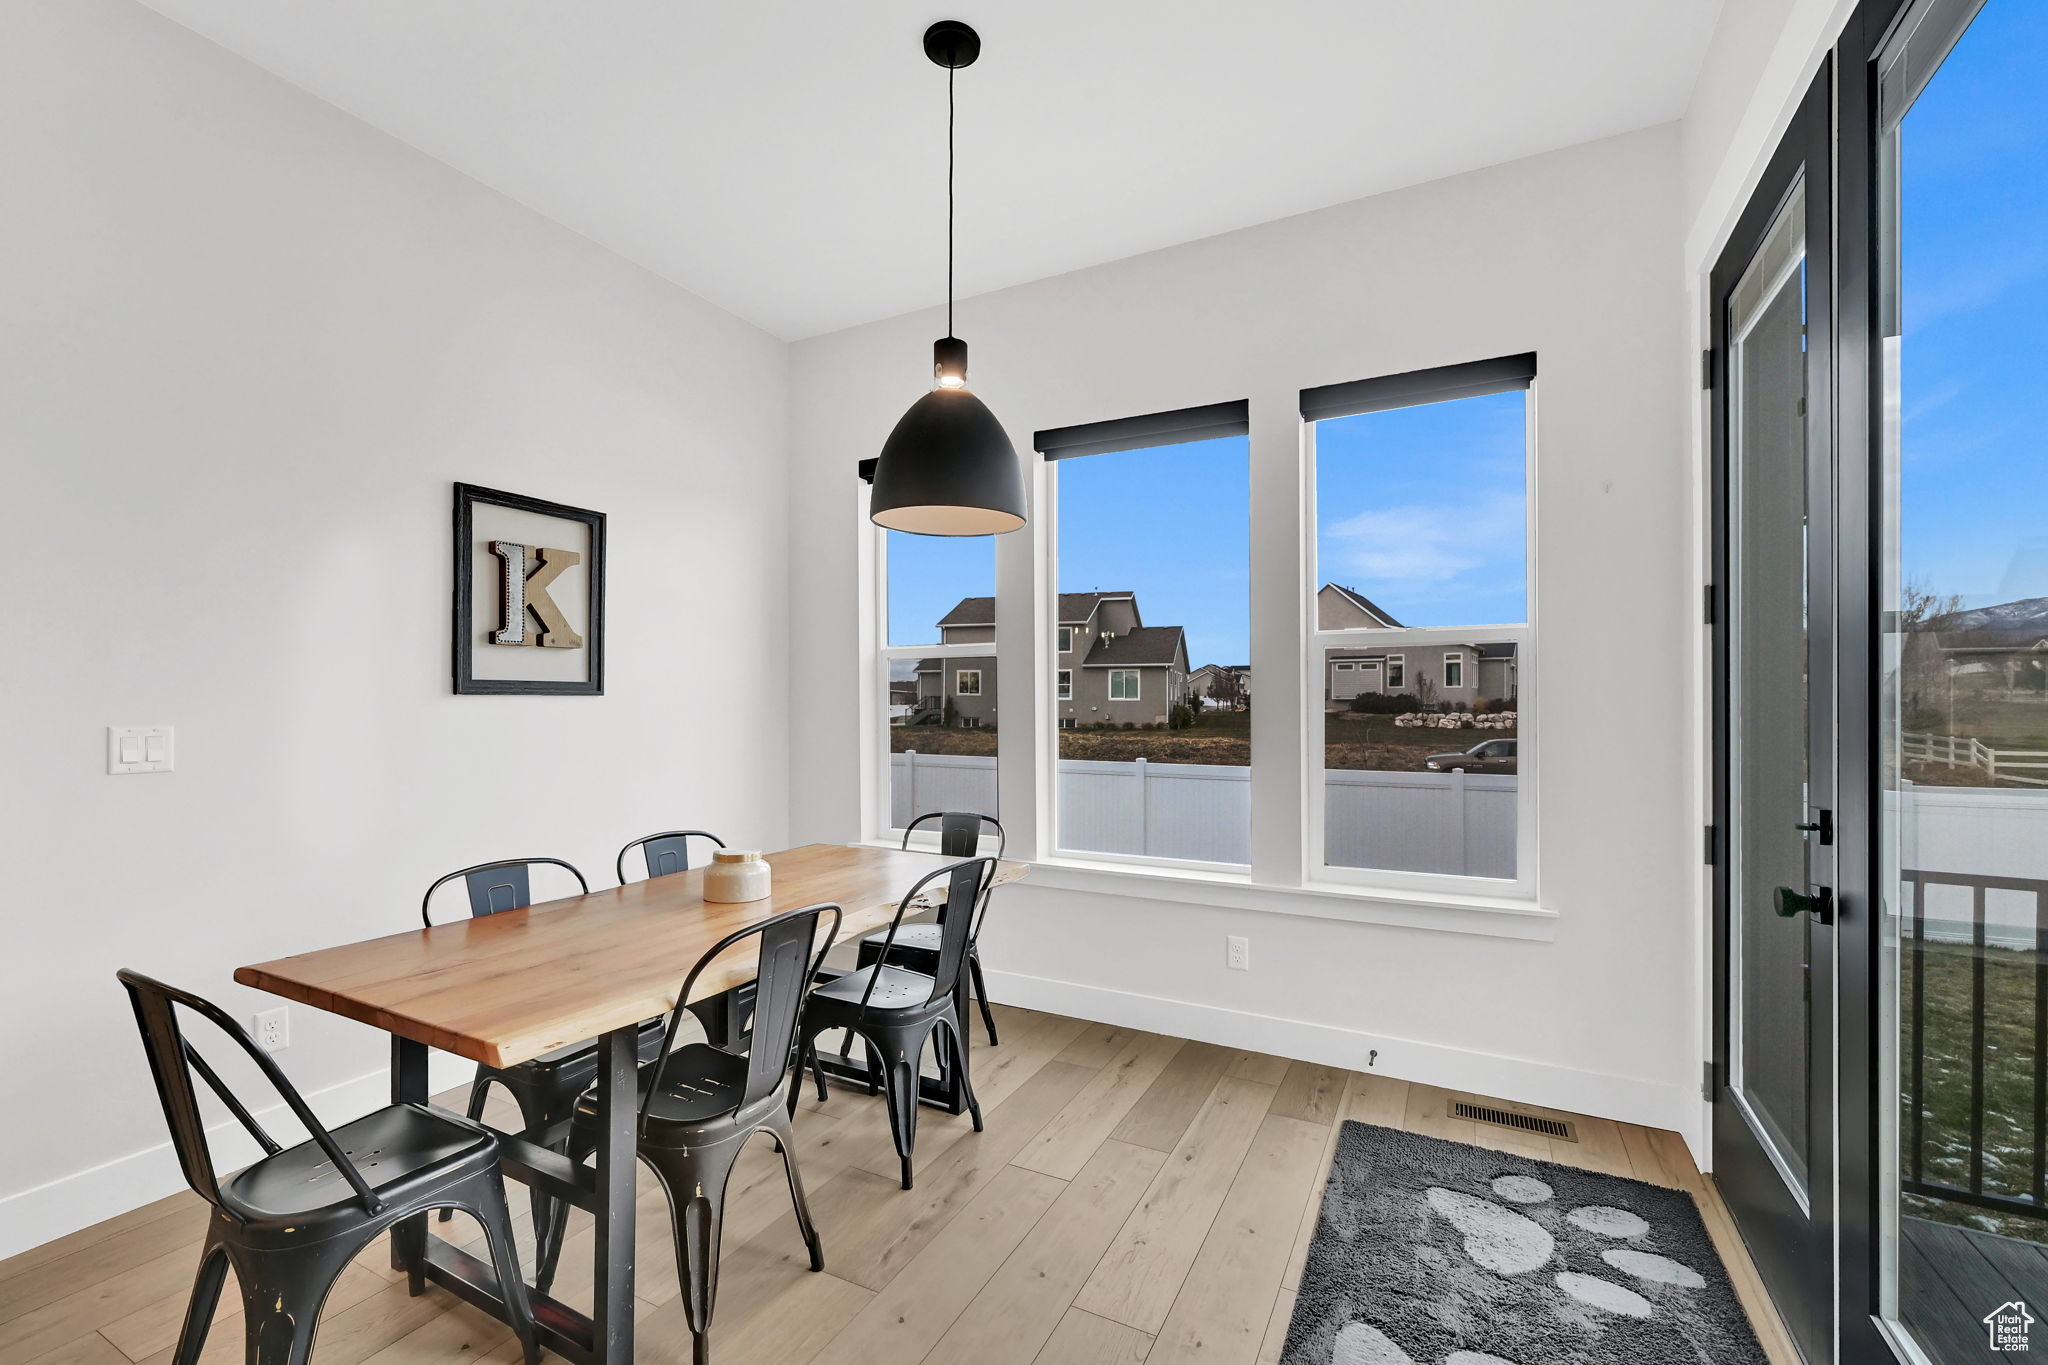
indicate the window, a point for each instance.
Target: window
{"x":1066,"y":639}
{"x":935,"y":604}
{"x":1151,"y":536}
{"x":1421,"y":541}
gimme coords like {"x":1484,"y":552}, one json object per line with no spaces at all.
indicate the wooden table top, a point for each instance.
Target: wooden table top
{"x":510,"y":986}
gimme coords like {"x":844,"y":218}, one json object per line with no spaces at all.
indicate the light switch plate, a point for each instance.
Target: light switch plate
{"x":141,"y":748}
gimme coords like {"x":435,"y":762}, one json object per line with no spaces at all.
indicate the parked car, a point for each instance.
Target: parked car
{"x":1492,"y":756}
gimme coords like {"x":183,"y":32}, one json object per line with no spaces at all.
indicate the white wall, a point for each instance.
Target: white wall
{"x":249,"y":343}
{"x":1575,"y":255}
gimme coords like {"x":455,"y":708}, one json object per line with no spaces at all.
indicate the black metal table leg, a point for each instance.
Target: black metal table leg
{"x":409,"y":1086}
{"x":617,"y":1166}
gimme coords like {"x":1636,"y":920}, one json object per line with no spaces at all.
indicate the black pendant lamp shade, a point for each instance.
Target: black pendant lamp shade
{"x":948,"y":469}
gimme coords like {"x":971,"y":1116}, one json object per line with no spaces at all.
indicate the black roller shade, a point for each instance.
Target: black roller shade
{"x":1136,"y":433}
{"x":1445,"y":382}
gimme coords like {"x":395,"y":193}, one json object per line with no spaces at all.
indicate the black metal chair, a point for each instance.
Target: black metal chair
{"x":894,"y":1010}
{"x":917,"y":946}
{"x":291,"y":1223}
{"x":699,"y":1105}
{"x":666,"y":852}
{"x":723,"y":1016}
{"x":547,"y":1087}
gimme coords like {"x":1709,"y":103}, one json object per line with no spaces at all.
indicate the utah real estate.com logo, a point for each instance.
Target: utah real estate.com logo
{"x":2007,"y":1325}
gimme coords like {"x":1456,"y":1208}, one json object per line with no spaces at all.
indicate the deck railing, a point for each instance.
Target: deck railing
{"x":2034,"y":1201}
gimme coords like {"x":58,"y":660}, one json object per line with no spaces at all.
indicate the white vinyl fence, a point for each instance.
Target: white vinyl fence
{"x":1411,"y":822}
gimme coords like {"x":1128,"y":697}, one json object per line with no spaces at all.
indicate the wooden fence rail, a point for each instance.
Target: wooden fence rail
{"x":1967,"y":751}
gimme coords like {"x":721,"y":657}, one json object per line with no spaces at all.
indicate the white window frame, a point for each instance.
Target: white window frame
{"x":1118,"y":866}
{"x":1066,"y":639}
{"x":1137,"y":677}
{"x":879,"y":823}
{"x":1064,"y":684}
{"x":960,"y":677}
{"x":1285,"y":876}
{"x":1397,"y":672}
{"x":1523,"y":886}
{"x":1454,"y":659}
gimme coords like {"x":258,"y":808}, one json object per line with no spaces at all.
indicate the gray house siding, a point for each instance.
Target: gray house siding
{"x":1350,"y":672}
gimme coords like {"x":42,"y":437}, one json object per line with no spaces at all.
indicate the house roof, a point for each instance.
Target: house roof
{"x":1496,"y":651}
{"x":972,"y":611}
{"x":1144,"y":645}
{"x":930,"y":665}
{"x":1363,"y":603}
{"x":1075,"y":608}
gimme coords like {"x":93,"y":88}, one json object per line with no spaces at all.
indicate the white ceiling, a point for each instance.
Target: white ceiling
{"x":785,"y":158}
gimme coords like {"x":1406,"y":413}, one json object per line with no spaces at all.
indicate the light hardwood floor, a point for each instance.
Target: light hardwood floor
{"x":1134,"y":1198}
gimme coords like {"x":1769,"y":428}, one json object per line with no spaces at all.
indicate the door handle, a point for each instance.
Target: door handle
{"x":1820,"y":904}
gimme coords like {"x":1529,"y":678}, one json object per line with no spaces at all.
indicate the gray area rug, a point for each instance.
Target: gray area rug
{"x":1438,"y":1253}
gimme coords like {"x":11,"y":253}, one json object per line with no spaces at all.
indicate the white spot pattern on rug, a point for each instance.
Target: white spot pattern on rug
{"x":1647,"y":1265}
{"x":1607,"y":1222}
{"x":1521,"y":1189}
{"x":1363,"y":1344}
{"x":1499,"y":1239}
{"x":1604,"y":1294}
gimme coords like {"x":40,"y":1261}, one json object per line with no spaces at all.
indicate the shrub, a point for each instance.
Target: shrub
{"x":1384,"y":703}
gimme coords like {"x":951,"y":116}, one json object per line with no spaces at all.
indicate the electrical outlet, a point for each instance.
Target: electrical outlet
{"x":273,"y":1030}
{"x":1238,"y":953}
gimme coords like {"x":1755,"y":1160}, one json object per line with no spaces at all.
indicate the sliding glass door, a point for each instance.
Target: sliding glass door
{"x":1962,"y":965}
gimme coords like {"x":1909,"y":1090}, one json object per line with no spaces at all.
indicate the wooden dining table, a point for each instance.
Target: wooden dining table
{"x":507,"y":987}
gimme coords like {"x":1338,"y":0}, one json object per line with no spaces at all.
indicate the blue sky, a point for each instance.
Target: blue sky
{"x":1422,"y":509}
{"x":1974,"y":354}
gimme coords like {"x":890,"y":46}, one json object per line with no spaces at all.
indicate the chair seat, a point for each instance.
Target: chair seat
{"x":400,"y":1144}
{"x":916,"y":938}
{"x":701,"y":1082}
{"x":895,"y":988}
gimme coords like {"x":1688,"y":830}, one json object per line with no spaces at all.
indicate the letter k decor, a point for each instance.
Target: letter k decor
{"x":527,"y":591}
{"x":523,"y":622}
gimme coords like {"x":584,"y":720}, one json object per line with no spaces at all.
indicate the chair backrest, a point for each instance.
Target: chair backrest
{"x":784,"y":969}
{"x":173,"y":1061}
{"x":494,"y":887}
{"x":959,"y":832}
{"x":666,"y":852}
{"x":967,"y":885}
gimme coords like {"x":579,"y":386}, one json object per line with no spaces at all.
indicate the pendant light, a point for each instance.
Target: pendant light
{"x":948,"y":469}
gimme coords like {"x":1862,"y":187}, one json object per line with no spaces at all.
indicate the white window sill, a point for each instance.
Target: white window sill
{"x":1488,"y":916}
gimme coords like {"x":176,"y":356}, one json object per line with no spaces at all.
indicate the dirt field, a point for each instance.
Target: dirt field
{"x":1356,"y":742}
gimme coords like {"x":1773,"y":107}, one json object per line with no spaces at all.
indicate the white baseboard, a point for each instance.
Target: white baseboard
{"x":1622,"y":1098}
{"x":31,"y":1217}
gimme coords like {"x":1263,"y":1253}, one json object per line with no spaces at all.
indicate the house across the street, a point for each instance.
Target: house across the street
{"x":1113,"y":669}
{"x":1221,"y":684}
{"x":1455,"y":674}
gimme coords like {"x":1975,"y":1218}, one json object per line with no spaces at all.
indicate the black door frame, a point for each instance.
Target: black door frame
{"x":1860,"y":491}
{"x":1795,"y":1257}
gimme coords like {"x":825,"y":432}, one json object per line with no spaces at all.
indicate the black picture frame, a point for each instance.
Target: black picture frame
{"x":467,"y":497}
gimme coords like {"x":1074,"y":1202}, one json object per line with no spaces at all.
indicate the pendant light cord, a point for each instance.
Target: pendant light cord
{"x":949,"y":200}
